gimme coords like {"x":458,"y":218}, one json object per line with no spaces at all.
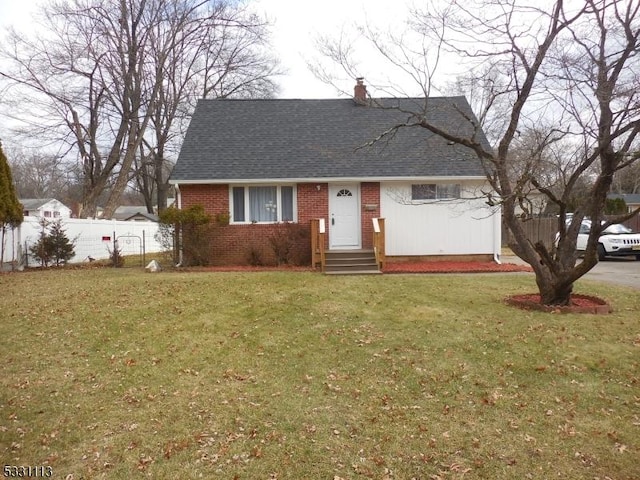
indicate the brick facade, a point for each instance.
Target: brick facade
{"x":313,"y":201}
{"x":370,"y":208}
{"x":214,"y":198}
{"x":239,"y":244}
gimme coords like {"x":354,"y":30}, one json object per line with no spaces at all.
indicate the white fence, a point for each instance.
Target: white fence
{"x":92,"y":238}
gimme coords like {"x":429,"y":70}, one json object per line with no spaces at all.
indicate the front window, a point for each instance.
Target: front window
{"x":435,"y":191}
{"x":263,"y":204}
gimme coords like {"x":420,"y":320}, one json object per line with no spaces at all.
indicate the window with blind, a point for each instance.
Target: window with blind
{"x":435,"y":191}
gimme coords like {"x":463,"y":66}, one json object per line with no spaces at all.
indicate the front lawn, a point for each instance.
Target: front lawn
{"x":295,"y":375}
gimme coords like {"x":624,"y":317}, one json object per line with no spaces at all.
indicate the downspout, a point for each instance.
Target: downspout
{"x":497,"y":237}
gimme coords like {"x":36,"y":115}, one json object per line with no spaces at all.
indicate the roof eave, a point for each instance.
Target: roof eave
{"x":224,"y":181}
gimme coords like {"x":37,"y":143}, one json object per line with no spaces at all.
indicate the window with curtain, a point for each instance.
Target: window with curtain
{"x":263,"y":203}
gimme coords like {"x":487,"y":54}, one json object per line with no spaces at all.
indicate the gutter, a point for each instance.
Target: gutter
{"x":284,"y":180}
{"x":178,"y":196}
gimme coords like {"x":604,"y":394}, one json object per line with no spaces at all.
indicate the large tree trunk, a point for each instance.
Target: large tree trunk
{"x":113,"y":202}
{"x":162,"y":187}
{"x":555,"y":274}
{"x":554,"y":292}
{"x":90,"y":198}
{"x":163,"y":194}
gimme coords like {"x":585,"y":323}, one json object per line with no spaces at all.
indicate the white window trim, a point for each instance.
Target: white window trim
{"x":247,"y":215}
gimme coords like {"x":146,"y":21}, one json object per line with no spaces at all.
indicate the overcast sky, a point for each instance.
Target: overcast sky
{"x":297,"y":24}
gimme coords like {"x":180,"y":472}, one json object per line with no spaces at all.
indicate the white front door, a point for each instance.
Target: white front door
{"x":344,"y":216}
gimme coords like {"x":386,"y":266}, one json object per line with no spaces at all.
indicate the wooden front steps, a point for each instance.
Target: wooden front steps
{"x":350,"y":262}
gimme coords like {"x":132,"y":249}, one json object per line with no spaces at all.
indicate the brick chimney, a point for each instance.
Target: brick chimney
{"x":360,"y":92}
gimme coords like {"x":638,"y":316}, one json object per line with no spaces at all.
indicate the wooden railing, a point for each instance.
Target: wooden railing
{"x":318,"y":242}
{"x":378,"y":241}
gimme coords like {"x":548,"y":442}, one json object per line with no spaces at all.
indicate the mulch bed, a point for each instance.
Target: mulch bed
{"x":579,"y":304}
{"x":453,"y":267}
{"x":390,"y":267}
{"x":249,"y":268}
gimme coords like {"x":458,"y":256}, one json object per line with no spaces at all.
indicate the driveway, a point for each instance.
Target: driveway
{"x":620,"y":271}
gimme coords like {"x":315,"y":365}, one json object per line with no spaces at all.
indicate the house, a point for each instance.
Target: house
{"x":48,"y":208}
{"x":134,"y":213}
{"x":632,"y":200}
{"x":263,"y":162}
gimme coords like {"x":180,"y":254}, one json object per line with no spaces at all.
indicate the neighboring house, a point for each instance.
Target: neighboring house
{"x":48,"y":208}
{"x":134,"y":213}
{"x":632,"y":200}
{"x":262,"y":162}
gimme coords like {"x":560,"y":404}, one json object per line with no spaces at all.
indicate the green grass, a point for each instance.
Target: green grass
{"x":111,"y":373}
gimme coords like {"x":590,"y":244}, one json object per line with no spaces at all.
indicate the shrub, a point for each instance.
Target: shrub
{"x":53,"y":245}
{"x":223,"y":218}
{"x":166,"y":237}
{"x":615,"y":206}
{"x":115,"y":256}
{"x":290,"y":243}
{"x":10,"y":208}
{"x":254,"y":256}
{"x":189,"y":231}
{"x":41,"y":251}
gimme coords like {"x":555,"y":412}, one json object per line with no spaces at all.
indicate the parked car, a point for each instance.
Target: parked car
{"x":616,"y":240}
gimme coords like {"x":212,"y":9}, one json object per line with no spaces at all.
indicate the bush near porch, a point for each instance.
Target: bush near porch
{"x":252,"y":244}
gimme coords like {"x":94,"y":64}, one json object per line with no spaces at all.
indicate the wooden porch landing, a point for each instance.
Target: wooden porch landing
{"x":351,"y":262}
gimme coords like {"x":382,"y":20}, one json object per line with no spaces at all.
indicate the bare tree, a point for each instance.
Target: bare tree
{"x":627,"y":180}
{"x":217,"y":55}
{"x":83,"y":73}
{"x":38,"y":175}
{"x":570,"y":73}
{"x":103,"y":71}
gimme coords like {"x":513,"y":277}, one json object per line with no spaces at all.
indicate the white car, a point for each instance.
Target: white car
{"x":616,"y":240}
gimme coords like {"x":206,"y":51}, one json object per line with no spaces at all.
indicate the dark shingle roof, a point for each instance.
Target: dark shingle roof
{"x":629,"y":198}
{"x":34,"y":203}
{"x":315,"y":139}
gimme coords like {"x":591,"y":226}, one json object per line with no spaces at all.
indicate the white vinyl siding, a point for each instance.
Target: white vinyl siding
{"x":464,"y":226}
